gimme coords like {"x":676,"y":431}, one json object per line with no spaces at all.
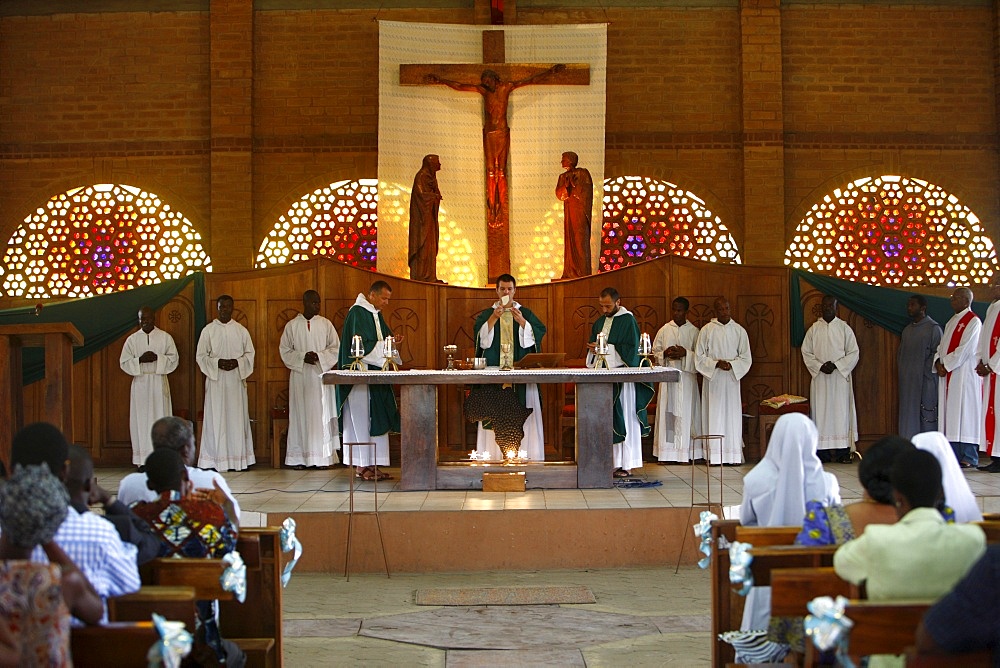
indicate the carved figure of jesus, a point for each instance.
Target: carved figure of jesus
{"x":496,"y":133}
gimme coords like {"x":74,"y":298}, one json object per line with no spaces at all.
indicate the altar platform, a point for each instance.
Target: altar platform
{"x":460,"y":531}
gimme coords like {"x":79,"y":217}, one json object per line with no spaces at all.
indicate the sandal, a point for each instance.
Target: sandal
{"x":621,"y":473}
{"x":382,"y":475}
{"x":360,"y":473}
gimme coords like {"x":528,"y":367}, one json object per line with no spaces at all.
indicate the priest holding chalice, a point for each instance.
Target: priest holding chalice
{"x":506,"y":332}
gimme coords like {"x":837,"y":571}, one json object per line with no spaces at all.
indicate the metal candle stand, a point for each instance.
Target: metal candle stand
{"x":706,"y":440}
{"x":357,"y":354}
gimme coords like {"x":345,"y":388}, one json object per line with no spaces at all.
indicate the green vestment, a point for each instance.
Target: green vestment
{"x":492,"y":354}
{"x":624,"y":336}
{"x":382,"y":411}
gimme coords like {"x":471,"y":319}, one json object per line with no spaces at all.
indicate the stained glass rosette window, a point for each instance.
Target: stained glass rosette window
{"x":645,"y":218}
{"x":99,"y":239}
{"x":338,"y":221}
{"x":893,"y":230}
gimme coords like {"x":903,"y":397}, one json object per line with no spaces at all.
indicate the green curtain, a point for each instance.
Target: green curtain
{"x":886,"y":307}
{"x":102,"y":320}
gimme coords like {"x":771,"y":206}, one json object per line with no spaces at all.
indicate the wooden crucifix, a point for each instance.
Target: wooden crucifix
{"x":496,"y":81}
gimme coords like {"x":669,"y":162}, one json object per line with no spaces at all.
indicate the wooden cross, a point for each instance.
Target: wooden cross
{"x":475,"y":77}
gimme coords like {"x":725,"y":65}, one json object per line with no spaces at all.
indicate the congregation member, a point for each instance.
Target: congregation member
{"x":37,"y":599}
{"x":918,"y":382}
{"x":975,"y":601}
{"x":989,"y":365}
{"x":775,"y":493}
{"x":177,"y":434}
{"x":830,"y":352}
{"x":835,"y":524}
{"x":509,"y":322}
{"x":310,"y":346}
{"x":630,"y":399}
{"x":191,"y":527}
{"x":919,"y":557}
{"x":90,"y":541}
{"x":722,"y":357}
{"x":85,"y":493}
{"x":958,"y":497}
{"x":959,"y":387}
{"x":226,"y":355}
{"x":674,"y":347}
{"x":148,"y":356}
{"x":368,"y":413}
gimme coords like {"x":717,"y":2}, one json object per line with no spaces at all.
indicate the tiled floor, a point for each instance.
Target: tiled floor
{"x":286,"y":490}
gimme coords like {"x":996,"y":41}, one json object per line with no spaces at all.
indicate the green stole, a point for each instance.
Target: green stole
{"x":624,"y":336}
{"x":492,"y":354}
{"x":383,"y":414}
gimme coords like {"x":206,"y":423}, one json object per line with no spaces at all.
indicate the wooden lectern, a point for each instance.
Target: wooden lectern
{"x":58,"y":339}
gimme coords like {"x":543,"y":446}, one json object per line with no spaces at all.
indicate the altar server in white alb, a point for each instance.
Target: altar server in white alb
{"x":722,"y":357}
{"x":960,"y":390}
{"x":830,"y":352}
{"x":678,"y":409}
{"x":225,"y":355}
{"x":310,"y":346}
{"x":148,"y":356}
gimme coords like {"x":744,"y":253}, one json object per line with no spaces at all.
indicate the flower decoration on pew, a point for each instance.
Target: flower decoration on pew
{"x":234,"y":578}
{"x":703,"y":531}
{"x":740,"y":559}
{"x":828,"y":627}
{"x":289,"y":543}
{"x":174,"y":644}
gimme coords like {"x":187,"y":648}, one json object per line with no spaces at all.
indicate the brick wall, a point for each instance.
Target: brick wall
{"x":864,"y":89}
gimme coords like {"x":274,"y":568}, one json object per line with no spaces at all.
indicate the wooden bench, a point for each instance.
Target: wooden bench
{"x":254,"y":625}
{"x":176,"y":604}
{"x":119,"y":644}
{"x":773,"y":549}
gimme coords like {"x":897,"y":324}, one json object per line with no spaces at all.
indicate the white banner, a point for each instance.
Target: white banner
{"x":545,"y":121}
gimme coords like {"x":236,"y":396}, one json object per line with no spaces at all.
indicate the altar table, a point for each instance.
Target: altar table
{"x":419,"y":429}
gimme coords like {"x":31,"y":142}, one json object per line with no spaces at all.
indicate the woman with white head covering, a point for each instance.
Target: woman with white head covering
{"x":957,"y":494}
{"x":775,"y":493}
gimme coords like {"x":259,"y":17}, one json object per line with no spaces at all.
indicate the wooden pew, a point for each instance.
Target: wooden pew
{"x":727,"y":606}
{"x":992,"y":530}
{"x":119,"y":644}
{"x":772,"y":549}
{"x":793,"y":588}
{"x":176,"y":604}
{"x":254,"y":625}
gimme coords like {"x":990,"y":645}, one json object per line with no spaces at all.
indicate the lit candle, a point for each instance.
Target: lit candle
{"x":357,"y":346}
{"x":645,"y":346}
{"x":387,"y":347}
{"x":602,"y":343}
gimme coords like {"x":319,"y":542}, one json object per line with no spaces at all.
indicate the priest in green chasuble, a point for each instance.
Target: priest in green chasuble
{"x":367,"y":413}
{"x":630,"y":399}
{"x":507,"y":321}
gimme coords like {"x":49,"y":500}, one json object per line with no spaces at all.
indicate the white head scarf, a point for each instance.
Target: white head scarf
{"x":956,"y":488}
{"x":776,"y":490}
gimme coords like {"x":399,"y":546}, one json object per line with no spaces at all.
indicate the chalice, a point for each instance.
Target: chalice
{"x":450,"y":350}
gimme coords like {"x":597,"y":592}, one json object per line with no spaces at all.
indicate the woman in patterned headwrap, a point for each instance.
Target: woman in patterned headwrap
{"x":36,"y":599}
